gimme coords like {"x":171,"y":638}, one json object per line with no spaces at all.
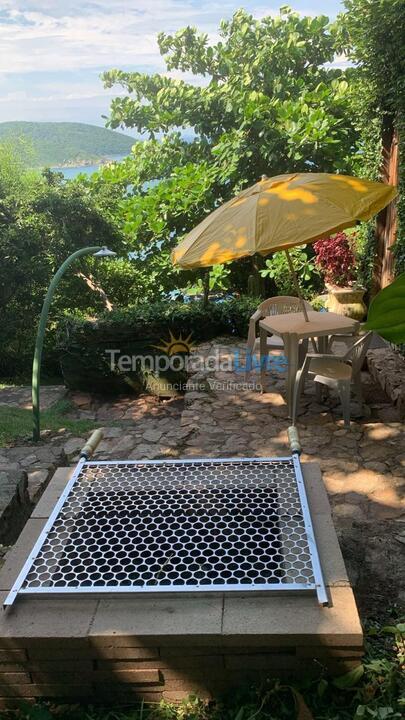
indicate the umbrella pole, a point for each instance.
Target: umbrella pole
{"x":296,"y":283}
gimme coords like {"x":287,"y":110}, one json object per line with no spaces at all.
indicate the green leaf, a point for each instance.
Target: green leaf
{"x":386,"y":314}
{"x":394,"y":629}
{"x":350,"y":679}
{"x":390,"y":629}
{"x":322,"y":687}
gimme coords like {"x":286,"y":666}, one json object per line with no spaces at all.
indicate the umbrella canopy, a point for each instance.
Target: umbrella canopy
{"x":280,"y":212}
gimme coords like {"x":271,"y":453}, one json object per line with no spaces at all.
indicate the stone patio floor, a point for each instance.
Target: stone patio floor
{"x":222,"y":416}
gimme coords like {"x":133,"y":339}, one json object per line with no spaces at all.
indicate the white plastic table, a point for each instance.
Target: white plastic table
{"x":292,"y":327}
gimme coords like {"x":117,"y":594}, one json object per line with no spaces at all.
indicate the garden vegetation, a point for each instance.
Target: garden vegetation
{"x":267,"y":100}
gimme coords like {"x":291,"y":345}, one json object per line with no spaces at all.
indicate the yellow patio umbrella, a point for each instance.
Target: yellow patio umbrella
{"x":278,"y":213}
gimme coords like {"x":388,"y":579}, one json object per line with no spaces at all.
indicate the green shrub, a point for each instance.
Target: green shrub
{"x":308,"y":275}
{"x":83,"y":343}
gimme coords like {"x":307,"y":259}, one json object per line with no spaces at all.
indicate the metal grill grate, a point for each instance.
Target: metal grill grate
{"x":199,"y":525}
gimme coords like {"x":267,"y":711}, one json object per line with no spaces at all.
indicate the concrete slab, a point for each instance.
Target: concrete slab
{"x":53,"y":492}
{"x":33,"y":618}
{"x":125,"y":619}
{"x":17,"y":556}
{"x":110,"y":653}
{"x":330,"y":554}
{"x":292,"y":620}
{"x":316,"y":491}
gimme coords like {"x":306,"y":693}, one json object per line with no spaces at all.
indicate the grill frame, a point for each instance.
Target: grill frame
{"x":317,"y":585}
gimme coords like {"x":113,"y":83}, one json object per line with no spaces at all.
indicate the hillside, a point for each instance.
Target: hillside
{"x":67,"y":143}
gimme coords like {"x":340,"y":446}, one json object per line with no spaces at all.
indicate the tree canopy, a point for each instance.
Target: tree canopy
{"x":264,"y":99}
{"x":373,"y":34}
{"x":42,"y":221}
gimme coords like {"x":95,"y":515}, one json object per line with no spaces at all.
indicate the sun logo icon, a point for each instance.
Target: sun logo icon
{"x":174,"y":346}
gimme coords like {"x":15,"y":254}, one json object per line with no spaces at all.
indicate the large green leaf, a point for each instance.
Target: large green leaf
{"x":350,"y":679}
{"x":386,"y":314}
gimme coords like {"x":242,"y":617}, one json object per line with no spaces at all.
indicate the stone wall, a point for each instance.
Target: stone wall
{"x":387,"y":367}
{"x":15,"y":506}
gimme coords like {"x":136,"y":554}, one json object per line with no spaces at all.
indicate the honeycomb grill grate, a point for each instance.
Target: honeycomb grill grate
{"x":199,"y":525}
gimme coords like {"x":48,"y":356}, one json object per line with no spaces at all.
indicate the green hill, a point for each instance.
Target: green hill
{"x":66,"y":143}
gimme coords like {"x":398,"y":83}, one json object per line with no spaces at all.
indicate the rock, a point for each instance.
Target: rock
{"x":387,"y":367}
{"x":378,"y":467}
{"x":179,"y":433}
{"x":386,"y":503}
{"x":347,"y":511}
{"x":37,"y":482}
{"x":198,"y":385}
{"x":380,"y":431}
{"x":354,"y":498}
{"x":28,"y":460}
{"x":143,"y":451}
{"x":14,"y":504}
{"x":9,"y":466}
{"x":15,"y":454}
{"x":124,"y":445}
{"x":72,"y":447}
{"x":112,"y":432}
{"x":87,"y":415}
{"x":401,"y":538}
{"x":80,"y":399}
{"x":363,"y":482}
{"x":377,"y":451}
{"x":389,"y":414}
{"x":152,"y":435}
{"x":190,"y":397}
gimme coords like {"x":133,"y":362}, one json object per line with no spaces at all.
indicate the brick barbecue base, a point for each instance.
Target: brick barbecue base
{"x":131,"y":648}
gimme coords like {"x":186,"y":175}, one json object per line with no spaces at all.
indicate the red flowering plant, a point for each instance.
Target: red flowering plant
{"x":336,"y":260}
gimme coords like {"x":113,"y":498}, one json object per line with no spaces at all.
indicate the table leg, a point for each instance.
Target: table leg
{"x":263,"y":358}
{"x":291,"y":351}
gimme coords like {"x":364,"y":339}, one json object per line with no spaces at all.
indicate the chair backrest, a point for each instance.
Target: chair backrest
{"x":357,"y":352}
{"x":282,"y":305}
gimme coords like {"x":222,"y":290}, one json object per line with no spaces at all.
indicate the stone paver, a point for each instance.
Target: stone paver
{"x":363,"y":468}
{"x":20,"y":396}
{"x":222,"y":415}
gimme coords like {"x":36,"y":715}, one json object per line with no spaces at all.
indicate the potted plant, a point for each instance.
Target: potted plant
{"x":336,"y":261}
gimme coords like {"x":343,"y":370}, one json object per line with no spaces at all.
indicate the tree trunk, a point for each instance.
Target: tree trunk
{"x":206,"y":288}
{"x":256,"y":284}
{"x":386,"y":229}
{"x":93,"y":285}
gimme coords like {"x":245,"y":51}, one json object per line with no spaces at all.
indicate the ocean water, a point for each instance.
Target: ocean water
{"x":71,"y":172}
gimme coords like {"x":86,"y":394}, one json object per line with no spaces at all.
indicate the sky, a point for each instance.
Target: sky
{"x":53,"y":51}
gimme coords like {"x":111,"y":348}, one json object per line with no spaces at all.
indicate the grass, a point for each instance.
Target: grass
{"x":16,"y":423}
{"x":374,"y":690}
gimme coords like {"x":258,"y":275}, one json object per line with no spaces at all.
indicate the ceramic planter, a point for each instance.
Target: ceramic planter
{"x":347,"y":301}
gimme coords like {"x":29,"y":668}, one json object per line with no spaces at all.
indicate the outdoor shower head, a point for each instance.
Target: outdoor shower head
{"x":104,"y":252}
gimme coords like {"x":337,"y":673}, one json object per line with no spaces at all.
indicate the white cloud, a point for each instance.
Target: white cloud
{"x":100,"y":34}
{"x":52,"y":51}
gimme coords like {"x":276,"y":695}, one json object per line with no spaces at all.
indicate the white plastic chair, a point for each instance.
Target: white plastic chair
{"x":273,"y":306}
{"x":340,"y":373}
